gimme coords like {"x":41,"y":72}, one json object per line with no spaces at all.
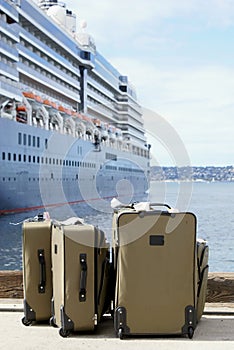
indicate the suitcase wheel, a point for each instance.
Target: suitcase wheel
{"x":52,"y":323}
{"x":120,"y":333}
{"x":190,"y":332}
{"x":26,"y":322}
{"x":64,"y":333}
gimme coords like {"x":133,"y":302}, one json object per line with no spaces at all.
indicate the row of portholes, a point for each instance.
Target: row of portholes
{"x":34,"y":179}
{"x":45,"y":160}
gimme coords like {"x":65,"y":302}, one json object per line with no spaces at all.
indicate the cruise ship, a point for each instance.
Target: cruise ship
{"x":71,"y":128}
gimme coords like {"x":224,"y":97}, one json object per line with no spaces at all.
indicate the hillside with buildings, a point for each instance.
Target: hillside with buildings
{"x":195,"y":173}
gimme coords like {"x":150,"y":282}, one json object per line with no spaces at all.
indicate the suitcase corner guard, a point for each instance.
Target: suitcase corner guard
{"x":66,"y":323}
{"x":120,"y":321}
{"x":29,"y":314}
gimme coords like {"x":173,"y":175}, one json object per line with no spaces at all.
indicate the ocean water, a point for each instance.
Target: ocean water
{"x":212,"y":203}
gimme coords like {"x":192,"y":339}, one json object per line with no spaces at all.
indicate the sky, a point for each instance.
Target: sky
{"x":179,"y":55}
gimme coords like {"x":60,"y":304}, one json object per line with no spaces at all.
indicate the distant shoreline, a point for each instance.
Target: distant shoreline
{"x":193,"y":174}
{"x":194,"y":181}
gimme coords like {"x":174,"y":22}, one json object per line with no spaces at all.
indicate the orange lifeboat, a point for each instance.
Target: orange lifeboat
{"x":38,"y":98}
{"x":29,"y":94}
{"x":47,"y":102}
{"x":54,"y":105}
{"x":62,"y":109}
{"x":21,"y":114}
{"x":21,"y":108}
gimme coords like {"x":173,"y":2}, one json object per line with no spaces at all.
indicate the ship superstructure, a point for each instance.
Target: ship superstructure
{"x":68,"y":118}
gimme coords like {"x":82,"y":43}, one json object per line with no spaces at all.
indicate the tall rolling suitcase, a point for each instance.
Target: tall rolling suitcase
{"x":155,"y":257}
{"x":80,"y":265}
{"x":202,"y":270}
{"x":37,"y":278}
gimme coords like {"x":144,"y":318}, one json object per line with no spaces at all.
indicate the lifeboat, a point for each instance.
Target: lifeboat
{"x":38,"y":98}
{"x":62,"y":109}
{"x":29,"y":94}
{"x":21,"y":114}
{"x":54,"y":105}
{"x":47,"y":102}
{"x":50,"y":103}
{"x":21,"y":108}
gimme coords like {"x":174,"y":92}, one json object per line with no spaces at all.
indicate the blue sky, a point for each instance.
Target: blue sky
{"x":179,"y":54}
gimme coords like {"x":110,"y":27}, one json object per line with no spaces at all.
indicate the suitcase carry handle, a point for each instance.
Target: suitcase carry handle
{"x":160,"y":205}
{"x":83,"y":277}
{"x":42,"y":283}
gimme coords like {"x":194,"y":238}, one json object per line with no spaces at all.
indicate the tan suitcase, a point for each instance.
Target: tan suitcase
{"x":80,"y":265}
{"x":155,"y":261}
{"x":37,"y":278}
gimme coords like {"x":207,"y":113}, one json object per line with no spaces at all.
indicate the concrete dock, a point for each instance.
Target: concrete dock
{"x":215,"y":331}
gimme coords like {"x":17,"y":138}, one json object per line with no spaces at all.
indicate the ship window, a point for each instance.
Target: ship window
{"x":14,"y":157}
{"x":25,"y":139}
{"x":38,"y":160}
{"x":49,"y":160}
{"x":46,"y":143}
{"x":66,"y":162}
{"x":34,"y":141}
{"x":69,"y":163}
{"x":29,"y":140}
{"x":9,"y":156}
{"x":38,"y":142}
{"x":34,"y":159}
{"x":19,"y":138}
{"x":19,"y":157}
{"x":24,"y":157}
{"x":3,"y":156}
{"x":42,"y":160}
{"x":29,"y":159}
{"x":46,"y":160}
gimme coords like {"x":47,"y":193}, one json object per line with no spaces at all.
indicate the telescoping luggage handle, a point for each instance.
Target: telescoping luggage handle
{"x":42,"y":283}
{"x":83,"y":277}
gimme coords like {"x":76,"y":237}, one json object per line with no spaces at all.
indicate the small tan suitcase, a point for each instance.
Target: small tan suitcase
{"x":37,"y":278}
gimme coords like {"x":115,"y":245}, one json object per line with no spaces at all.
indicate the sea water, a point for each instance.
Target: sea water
{"x":212,"y":203}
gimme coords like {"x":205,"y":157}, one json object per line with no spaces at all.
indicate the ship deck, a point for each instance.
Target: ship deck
{"x":214,"y":331}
